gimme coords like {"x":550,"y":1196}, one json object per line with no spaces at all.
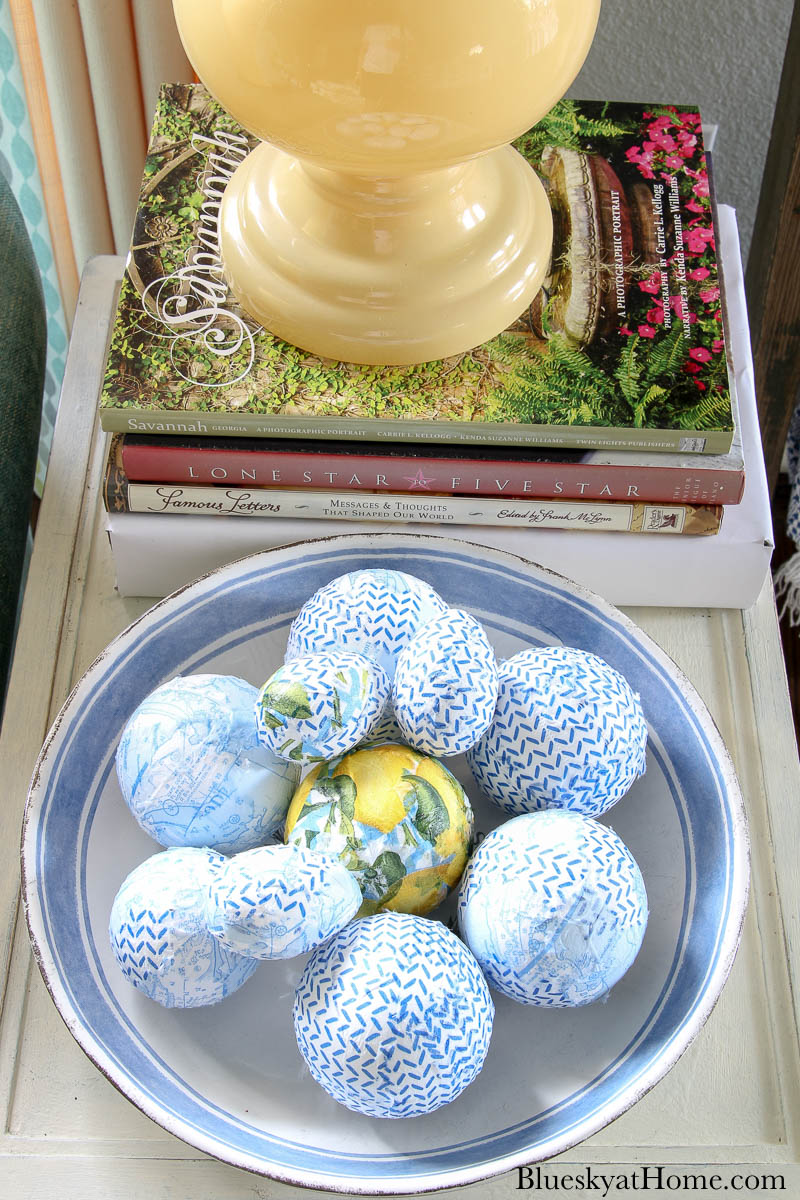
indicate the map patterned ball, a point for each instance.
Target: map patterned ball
{"x":568,"y":732}
{"x":553,"y":906}
{"x":445,"y":688}
{"x":193,"y":772}
{"x":320,"y":705}
{"x":393,"y":1016}
{"x":373,"y":612}
{"x":159,"y":934}
{"x":396,"y":818}
{"x":279,"y":901}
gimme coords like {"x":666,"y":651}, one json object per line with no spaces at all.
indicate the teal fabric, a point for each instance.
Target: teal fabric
{"x":18,"y":164}
{"x":23,"y":352}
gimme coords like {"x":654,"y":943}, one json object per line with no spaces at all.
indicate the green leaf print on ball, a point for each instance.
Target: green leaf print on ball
{"x":290,"y":699}
{"x":339,"y":791}
{"x":431,"y":818}
{"x":397,"y":819}
{"x":329,"y":812}
{"x":385,"y":876}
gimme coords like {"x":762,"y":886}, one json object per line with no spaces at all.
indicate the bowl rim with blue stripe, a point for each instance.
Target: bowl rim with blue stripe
{"x":550,"y":1079}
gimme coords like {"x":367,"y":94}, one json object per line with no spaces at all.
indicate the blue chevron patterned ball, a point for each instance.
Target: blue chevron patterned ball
{"x":279,"y":901}
{"x":393,"y":1016}
{"x":553,"y":906}
{"x":568,"y":732}
{"x":319,"y":705}
{"x":192,"y":771}
{"x":159,"y":934}
{"x":445,"y":688}
{"x":373,"y":612}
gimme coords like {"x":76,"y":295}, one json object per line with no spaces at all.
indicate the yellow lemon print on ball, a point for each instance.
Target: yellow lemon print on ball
{"x":396,"y":818}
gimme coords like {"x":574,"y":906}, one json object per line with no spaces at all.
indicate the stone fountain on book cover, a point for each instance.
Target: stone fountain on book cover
{"x":384,"y":218}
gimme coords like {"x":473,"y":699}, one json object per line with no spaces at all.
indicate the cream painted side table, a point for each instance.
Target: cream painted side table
{"x":734,"y":1097}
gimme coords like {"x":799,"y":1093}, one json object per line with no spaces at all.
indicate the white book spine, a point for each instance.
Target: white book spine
{"x":434,"y":509}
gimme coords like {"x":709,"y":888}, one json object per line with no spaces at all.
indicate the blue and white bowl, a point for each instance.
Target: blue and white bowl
{"x":229,"y":1079}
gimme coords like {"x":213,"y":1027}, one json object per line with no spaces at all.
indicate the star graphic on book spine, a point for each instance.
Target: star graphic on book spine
{"x":420,"y":480}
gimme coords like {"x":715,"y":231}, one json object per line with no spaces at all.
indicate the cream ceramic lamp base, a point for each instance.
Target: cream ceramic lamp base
{"x":385,"y":270}
{"x":385,"y":219}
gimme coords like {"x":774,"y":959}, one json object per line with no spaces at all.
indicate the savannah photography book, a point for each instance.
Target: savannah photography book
{"x":121,"y":495}
{"x":623,"y":347}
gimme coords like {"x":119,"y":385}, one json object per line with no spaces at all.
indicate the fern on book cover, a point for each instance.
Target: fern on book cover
{"x":624,"y":345}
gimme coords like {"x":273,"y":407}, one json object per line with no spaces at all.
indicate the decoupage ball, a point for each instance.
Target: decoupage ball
{"x":553,"y":906}
{"x":396,"y":818}
{"x":193,"y":772}
{"x":445,"y":687}
{"x":387,"y":729}
{"x":159,"y":934}
{"x":393,"y":1016}
{"x":568,"y":732}
{"x":372,"y":611}
{"x":279,"y":901}
{"x":319,"y":705}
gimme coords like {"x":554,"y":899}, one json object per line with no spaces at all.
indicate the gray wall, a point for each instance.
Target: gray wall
{"x":725,"y":56}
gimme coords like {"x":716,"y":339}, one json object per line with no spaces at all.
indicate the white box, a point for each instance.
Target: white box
{"x":155,"y":554}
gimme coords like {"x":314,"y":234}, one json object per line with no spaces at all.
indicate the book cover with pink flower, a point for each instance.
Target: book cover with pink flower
{"x":623,"y":348}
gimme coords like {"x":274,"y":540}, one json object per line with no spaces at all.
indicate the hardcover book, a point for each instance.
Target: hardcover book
{"x":622,"y":348}
{"x":422,"y":468}
{"x":122,"y":495}
{"x":155,"y":553}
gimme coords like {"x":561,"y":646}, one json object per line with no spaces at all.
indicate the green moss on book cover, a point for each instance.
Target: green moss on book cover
{"x":651,"y":357}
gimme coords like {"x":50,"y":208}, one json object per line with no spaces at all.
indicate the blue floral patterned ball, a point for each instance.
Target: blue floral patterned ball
{"x":445,"y":686}
{"x":279,"y":901}
{"x":319,"y":705}
{"x":393,"y":1016}
{"x":373,"y":612}
{"x":568,"y":732}
{"x":159,"y":934}
{"x":193,"y":772}
{"x":553,"y":906}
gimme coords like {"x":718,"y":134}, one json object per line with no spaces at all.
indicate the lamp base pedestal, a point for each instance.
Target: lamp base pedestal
{"x":395,"y":270}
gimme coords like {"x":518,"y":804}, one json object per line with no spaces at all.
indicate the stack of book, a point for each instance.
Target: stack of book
{"x":610,"y":406}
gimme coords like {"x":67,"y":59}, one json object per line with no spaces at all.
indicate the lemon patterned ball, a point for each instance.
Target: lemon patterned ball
{"x":396,"y":818}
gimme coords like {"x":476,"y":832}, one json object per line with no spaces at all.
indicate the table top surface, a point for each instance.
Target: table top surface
{"x":733,"y":1098}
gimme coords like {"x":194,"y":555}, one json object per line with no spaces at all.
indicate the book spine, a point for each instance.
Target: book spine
{"x":165,"y":463}
{"x":404,"y":508}
{"x":573,"y":437}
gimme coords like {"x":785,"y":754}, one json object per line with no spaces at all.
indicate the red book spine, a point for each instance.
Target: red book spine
{"x":163,"y":463}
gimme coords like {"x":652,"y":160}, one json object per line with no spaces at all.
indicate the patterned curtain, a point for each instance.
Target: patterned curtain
{"x":18,"y":163}
{"x":78,"y":84}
